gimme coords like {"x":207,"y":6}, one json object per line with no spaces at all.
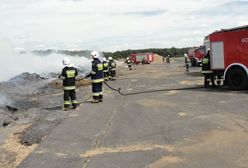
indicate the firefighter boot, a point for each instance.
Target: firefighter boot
{"x":212,"y":79}
{"x":67,"y":105}
{"x":95,"y":99}
{"x":206,"y":82}
{"x":100,"y":98}
{"x":218,"y":80}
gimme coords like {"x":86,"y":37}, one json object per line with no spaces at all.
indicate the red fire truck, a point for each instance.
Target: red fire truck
{"x":137,"y":58}
{"x":196,"y":55}
{"x":229,"y":56}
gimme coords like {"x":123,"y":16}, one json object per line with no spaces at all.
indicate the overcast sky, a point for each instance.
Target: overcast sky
{"x":112,"y":25}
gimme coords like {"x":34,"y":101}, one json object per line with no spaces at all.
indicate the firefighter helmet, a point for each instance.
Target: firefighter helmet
{"x":94,"y":54}
{"x":110,"y":58}
{"x":66,"y":61}
{"x":127,"y":58}
{"x":185,"y":55}
{"x":104,"y":59}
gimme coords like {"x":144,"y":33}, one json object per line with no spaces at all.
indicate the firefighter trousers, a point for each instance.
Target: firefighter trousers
{"x":112,"y":74}
{"x":106,"y":75}
{"x":130,"y":66}
{"x":97,"y":91}
{"x":70,"y":98}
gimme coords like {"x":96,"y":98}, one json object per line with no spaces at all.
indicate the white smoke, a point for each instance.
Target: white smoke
{"x":13,"y":63}
{"x":4,"y":100}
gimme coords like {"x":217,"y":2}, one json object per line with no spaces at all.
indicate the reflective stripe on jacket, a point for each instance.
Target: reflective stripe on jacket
{"x":205,"y":60}
{"x":105,"y":66}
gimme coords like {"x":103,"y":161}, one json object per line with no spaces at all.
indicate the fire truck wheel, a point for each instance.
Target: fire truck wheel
{"x":237,"y":79}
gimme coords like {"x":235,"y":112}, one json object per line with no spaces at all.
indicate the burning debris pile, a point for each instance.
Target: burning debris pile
{"x":33,"y":100}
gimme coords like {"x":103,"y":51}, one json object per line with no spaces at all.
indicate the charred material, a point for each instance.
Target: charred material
{"x":6,"y":123}
{"x":11,"y":109}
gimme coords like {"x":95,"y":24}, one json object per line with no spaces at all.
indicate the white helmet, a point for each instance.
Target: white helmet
{"x":127,"y":58}
{"x":185,"y":55}
{"x":110,"y":58}
{"x":104,"y":59}
{"x":66,"y":61}
{"x":94,"y":54}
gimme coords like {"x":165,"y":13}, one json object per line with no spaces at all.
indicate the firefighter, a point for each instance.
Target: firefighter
{"x":143,"y":61}
{"x":129,"y":63}
{"x":186,"y":58}
{"x":168,"y":59}
{"x":206,"y":70}
{"x":96,"y":75}
{"x":105,"y":69}
{"x":112,"y":69}
{"x":68,"y":76}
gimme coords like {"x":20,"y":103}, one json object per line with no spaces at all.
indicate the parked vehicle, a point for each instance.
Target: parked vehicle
{"x":229,"y":56}
{"x":196,"y":55}
{"x":144,"y":58}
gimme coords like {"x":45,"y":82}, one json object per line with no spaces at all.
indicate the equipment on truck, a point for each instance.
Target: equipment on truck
{"x":229,"y":56}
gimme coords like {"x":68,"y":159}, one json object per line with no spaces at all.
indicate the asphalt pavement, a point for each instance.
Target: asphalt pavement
{"x":198,"y":128}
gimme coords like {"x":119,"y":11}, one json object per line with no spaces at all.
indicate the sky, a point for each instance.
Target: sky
{"x":111,"y":25}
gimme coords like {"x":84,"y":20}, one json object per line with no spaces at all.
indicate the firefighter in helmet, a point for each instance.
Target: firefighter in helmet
{"x":129,"y":63}
{"x":186,"y":58}
{"x":68,"y":76}
{"x":206,"y":70}
{"x":96,"y":77}
{"x":168,"y":59}
{"x":112,"y":68}
{"x":105,"y":69}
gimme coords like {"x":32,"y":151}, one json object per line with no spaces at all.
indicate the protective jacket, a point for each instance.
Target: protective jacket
{"x":129,"y":62}
{"x":69,"y":77}
{"x":105,"y":70}
{"x":105,"y":66}
{"x":206,"y":64}
{"x":186,"y":60}
{"x":112,"y":65}
{"x":97,"y":71}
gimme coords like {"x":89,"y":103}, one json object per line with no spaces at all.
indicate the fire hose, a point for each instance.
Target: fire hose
{"x":152,"y":91}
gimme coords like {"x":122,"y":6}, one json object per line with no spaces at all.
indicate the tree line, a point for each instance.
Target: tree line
{"x":173,"y":52}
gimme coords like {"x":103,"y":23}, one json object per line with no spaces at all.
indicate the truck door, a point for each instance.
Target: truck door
{"x":217,"y":55}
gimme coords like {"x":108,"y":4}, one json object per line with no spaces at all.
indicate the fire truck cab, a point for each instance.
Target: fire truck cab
{"x":229,"y":56}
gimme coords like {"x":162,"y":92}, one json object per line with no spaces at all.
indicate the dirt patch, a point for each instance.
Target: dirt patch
{"x":182,"y":114}
{"x":12,"y":152}
{"x":172,"y":92}
{"x":165,"y":161}
{"x":192,"y":82}
{"x":227,"y":144}
{"x":194,"y":74}
{"x":125,"y":149}
{"x":156,"y":103}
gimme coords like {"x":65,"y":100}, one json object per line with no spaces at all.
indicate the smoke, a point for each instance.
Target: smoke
{"x":13,"y":63}
{"x":4,"y":100}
